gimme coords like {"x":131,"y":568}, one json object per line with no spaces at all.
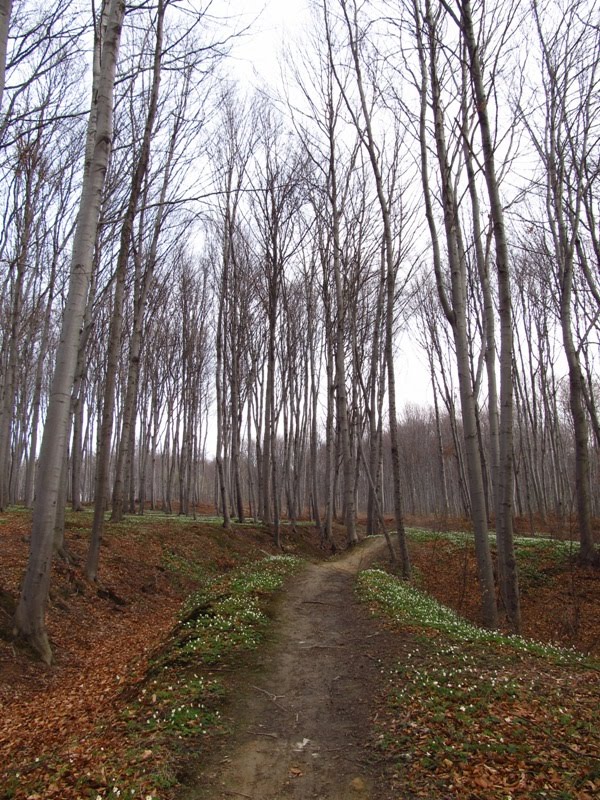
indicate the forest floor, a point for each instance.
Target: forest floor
{"x":316,"y":692}
{"x":301,"y":721}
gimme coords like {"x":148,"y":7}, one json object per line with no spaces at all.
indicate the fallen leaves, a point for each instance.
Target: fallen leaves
{"x":475,"y":718}
{"x":62,"y":730}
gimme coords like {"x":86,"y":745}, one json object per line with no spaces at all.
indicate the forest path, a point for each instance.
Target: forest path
{"x":301,"y":717}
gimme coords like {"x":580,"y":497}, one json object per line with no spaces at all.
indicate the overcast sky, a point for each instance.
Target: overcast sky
{"x":255,"y":60}
{"x":273,"y":23}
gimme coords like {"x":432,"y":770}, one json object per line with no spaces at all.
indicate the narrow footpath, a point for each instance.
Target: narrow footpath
{"x":301,"y":719}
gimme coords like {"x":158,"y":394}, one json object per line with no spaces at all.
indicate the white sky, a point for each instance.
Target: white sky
{"x":274,"y":22}
{"x":255,"y":60}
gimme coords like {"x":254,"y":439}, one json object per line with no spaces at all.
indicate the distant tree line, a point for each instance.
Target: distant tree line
{"x":202,"y":287}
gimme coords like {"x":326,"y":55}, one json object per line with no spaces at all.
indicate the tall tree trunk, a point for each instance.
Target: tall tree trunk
{"x":374,"y":511}
{"x":509,"y":581}
{"x":455,"y":312}
{"x":37,"y":391}
{"x":587,"y":550}
{"x":222,"y":485}
{"x":440,"y":446}
{"x":9,"y":394}
{"x":267,"y":455}
{"x":390,"y":278}
{"x":143,"y":279}
{"x":116,"y":322}
{"x":326,"y":536}
{"x":30,"y":614}
{"x":314,"y":437}
{"x":565,"y":73}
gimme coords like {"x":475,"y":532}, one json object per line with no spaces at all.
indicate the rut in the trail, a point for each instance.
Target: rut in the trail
{"x":301,"y":721}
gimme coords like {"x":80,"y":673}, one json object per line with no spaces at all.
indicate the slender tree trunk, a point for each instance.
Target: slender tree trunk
{"x":30,"y":614}
{"x":369,"y":142}
{"x":116,"y":323}
{"x":5,"y":13}
{"x":143,"y":281}
{"x":327,"y":536}
{"x":37,"y":392}
{"x":78,"y":400}
{"x":587,"y":550}
{"x":373,"y":506}
{"x":340,"y":356}
{"x":440,"y":446}
{"x":222,"y":485}
{"x":509,"y":581}
{"x":9,"y":394}
{"x":269,"y":433}
{"x":314,"y":437}
{"x":455,"y":313}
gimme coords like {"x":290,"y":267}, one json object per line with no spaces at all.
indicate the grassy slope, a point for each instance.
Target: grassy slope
{"x":146,"y":660}
{"x":469,"y":713}
{"x":142,"y":659}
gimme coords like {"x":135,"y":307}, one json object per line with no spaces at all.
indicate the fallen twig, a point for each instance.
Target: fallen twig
{"x":321,"y":603}
{"x":271,"y":696}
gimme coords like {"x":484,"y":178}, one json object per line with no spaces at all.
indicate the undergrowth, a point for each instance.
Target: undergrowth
{"x":470,"y":713}
{"x":184,"y":693}
{"x":164,"y":719}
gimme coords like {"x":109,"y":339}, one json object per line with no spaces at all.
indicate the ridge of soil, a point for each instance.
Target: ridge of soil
{"x":302,"y":721}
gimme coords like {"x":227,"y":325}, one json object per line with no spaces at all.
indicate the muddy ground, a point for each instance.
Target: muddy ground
{"x":300,"y":722}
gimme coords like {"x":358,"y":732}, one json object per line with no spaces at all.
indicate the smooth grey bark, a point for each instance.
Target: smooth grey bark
{"x":326,"y":536}
{"x":587,"y":551}
{"x":37,"y":392}
{"x":376,"y":389}
{"x":30,"y":614}
{"x":116,"y":322}
{"x":78,"y":399}
{"x":489,"y":322}
{"x":5,"y":14}
{"x":439,"y":440}
{"x":380,"y":515}
{"x":368,"y":140}
{"x":455,"y":311}
{"x":252,"y":504}
{"x":222,"y":485}
{"x":314,"y":404}
{"x":509,"y":581}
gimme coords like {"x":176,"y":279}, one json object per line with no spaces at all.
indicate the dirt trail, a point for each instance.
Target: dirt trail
{"x":301,"y":720}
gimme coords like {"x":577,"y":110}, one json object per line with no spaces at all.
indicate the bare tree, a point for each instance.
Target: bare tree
{"x":5,"y":12}
{"x":116,"y":326}
{"x":30,"y":614}
{"x":505,"y":470}
{"x":365,"y":128}
{"x":276,"y":200}
{"x":427,"y":40}
{"x":564,"y":140}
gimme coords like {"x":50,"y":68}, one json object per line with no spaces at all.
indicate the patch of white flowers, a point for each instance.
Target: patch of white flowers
{"x":221,"y":618}
{"x":460,"y":537}
{"x":408,"y":605}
